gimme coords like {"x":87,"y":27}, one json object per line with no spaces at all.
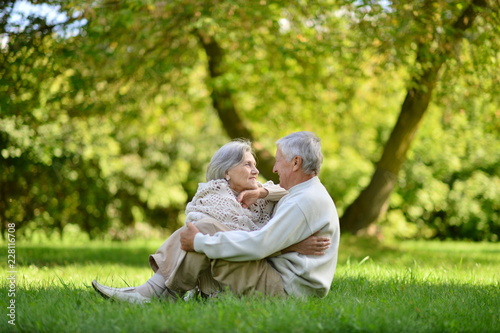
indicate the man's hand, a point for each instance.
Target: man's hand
{"x":313,"y":245}
{"x":187,"y":237}
{"x":249,"y":197}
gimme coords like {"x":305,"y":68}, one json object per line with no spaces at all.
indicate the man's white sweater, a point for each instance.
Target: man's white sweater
{"x":305,"y":210}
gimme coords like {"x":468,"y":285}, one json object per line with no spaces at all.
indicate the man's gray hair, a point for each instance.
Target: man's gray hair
{"x":227,"y":157}
{"x":306,"y":145}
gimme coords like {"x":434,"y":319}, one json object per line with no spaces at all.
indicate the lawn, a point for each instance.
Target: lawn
{"x":411,"y":286}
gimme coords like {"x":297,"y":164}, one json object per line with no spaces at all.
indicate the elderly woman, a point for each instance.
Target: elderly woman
{"x":230,"y":196}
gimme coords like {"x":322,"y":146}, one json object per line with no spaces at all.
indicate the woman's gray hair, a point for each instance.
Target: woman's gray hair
{"x":227,"y":157}
{"x":306,"y":145}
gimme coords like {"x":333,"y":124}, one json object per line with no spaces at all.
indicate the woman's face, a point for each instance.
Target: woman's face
{"x":244,"y":175}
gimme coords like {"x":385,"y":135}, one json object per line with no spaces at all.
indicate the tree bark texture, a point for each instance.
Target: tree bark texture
{"x":222,"y":101}
{"x":373,"y":201}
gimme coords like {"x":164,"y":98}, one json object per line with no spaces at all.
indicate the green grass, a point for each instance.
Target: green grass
{"x":405,"y":287}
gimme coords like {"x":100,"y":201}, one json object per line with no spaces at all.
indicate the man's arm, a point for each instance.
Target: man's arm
{"x":312,"y":245}
{"x":287,"y":227}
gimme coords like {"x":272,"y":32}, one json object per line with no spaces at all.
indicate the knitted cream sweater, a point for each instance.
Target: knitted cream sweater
{"x":217,"y":200}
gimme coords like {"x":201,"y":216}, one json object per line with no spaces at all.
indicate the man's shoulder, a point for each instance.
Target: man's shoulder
{"x":315,"y":188}
{"x":309,"y":194}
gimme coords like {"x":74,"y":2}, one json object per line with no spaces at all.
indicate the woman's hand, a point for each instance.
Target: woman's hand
{"x":313,"y":245}
{"x":249,"y":197}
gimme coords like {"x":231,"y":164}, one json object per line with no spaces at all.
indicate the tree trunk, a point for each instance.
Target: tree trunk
{"x":222,"y":101}
{"x":374,"y":199}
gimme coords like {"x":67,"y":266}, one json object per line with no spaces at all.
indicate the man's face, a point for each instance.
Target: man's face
{"x":283,"y":168}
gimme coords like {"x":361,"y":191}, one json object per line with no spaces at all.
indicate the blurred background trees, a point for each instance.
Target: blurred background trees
{"x":111,"y":110}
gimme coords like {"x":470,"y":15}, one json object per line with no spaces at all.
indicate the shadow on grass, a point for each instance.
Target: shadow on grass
{"x":48,"y":256}
{"x":431,"y":253}
{"x":352,"y":249}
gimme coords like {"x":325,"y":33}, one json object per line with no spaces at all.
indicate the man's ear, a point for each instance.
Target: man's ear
{"x":296,"y":163}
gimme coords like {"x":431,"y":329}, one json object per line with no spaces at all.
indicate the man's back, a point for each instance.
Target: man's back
{"x":308,"y":209}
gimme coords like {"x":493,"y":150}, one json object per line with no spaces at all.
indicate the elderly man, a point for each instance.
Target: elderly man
{"x":248,"y":262}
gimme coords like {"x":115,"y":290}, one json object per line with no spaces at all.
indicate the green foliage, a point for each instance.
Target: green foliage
{"x":106,"y":117}
{"x":107,"y":141}
{"x":450,"y":190}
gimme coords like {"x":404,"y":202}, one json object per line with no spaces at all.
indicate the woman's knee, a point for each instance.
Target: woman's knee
{"x":210,"y":226}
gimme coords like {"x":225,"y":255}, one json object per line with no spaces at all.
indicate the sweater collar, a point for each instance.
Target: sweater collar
{"x":303,"y":185}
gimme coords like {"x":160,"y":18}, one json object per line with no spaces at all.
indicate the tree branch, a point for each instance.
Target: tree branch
{"x":222,"y":101}
{"x":374,"y":199}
